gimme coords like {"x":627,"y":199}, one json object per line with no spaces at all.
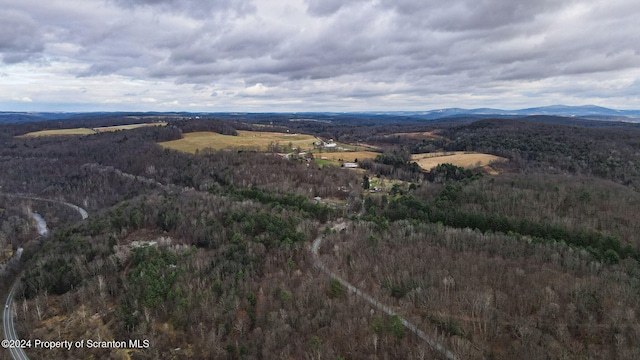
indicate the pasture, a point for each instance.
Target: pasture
{"x":128,"y":127}
{"x":88,"y":131}
{"x":249,"y":140}
{"x":347,"y":156}
{"x":428,"y":161}
{"x":58,"y":132}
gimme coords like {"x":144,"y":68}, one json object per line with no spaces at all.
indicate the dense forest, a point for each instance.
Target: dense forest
{"x":208,"y":255}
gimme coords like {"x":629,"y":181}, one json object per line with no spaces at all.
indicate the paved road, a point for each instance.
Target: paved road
{"x":434,"y":344}
{"x":83,"y":213}
{"x":9,"y":328}
{"x":8,"y":313}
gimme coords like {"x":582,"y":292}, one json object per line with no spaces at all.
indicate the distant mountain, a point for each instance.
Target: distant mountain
{"x":586,"y":112}
{"x":20,"y":117}
{"x":7,"y":117}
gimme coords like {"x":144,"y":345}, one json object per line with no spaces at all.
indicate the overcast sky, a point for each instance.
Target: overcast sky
{"x":310,"y":55}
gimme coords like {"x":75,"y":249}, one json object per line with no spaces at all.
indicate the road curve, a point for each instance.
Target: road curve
{"x":9,"y":328}
{"x":8,"y":324}
{"x":434,"y":344}
{"x":83,"y":213}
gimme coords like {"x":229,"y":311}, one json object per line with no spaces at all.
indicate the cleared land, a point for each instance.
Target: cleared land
{"x":428,"y":161}
{"x":87,"y":131}
{"x":245,"y":140}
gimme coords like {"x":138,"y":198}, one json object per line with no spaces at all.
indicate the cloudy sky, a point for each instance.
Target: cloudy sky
{"x":310,"y":55}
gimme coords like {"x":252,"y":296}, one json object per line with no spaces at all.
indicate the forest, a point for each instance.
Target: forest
{"x":209,"y":255}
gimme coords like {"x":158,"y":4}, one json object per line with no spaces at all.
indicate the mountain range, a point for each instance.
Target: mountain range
{"x":586,"y":112}
{"x":583,"y":112}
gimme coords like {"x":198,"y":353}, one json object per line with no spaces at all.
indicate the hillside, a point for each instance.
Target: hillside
{"x":209,"y":254}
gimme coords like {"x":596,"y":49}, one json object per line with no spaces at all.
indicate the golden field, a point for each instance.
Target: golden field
{"x":245,"y":140}
{"x":87,"y":131}
{"x":428,"y":161}
{"x":57,"y":132}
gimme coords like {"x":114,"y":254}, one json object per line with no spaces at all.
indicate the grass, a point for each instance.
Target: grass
{"x":128,"y":127}
{"x":250,"y":140}
{"x":58,"y":132}
{"x":87,"y":131}
{"x":327,"y":162}
{"x":467,"y":160}
{"x":348,"y":156}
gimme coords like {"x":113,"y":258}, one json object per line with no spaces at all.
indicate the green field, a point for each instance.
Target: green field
{"x":250,"y":140}
{"x":348,"y":156}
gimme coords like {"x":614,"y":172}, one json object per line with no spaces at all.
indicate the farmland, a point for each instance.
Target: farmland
{"x":349,"y":156}
{"x":89,"y":131}
{"x":58,"y":132}
{"x":459,"y":158}
{"x":250,"y":140}
{"x":127,"y":127}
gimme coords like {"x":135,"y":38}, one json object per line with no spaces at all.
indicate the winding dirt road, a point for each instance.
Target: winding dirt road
{"x":434,"y":344}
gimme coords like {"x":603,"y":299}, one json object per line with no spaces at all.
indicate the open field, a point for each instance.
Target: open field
{"x":428,"y":161}
{"x":245,"y":140}
{"x":127,"y":127}
{"x":327,"y":162}
{"x":348,"y":156}
{"x":57,"y":132}
{"x":87,"y":131}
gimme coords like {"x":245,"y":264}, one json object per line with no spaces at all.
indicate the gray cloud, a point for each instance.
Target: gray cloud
{"x":329,"y":50}
{"x":20,"y":38}
{"x":329,"y":7}
{"x":471,"y":15}
{"x":195,"y":8}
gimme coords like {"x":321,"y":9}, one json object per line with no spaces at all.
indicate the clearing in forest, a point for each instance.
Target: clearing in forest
{"x":88,"y":131}
{"x":427,"y":161}
{"x":424,"y":135}
{"x":251,"y":140}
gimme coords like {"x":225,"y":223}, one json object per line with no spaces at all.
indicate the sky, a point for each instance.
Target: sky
{"x":317,"y":55}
